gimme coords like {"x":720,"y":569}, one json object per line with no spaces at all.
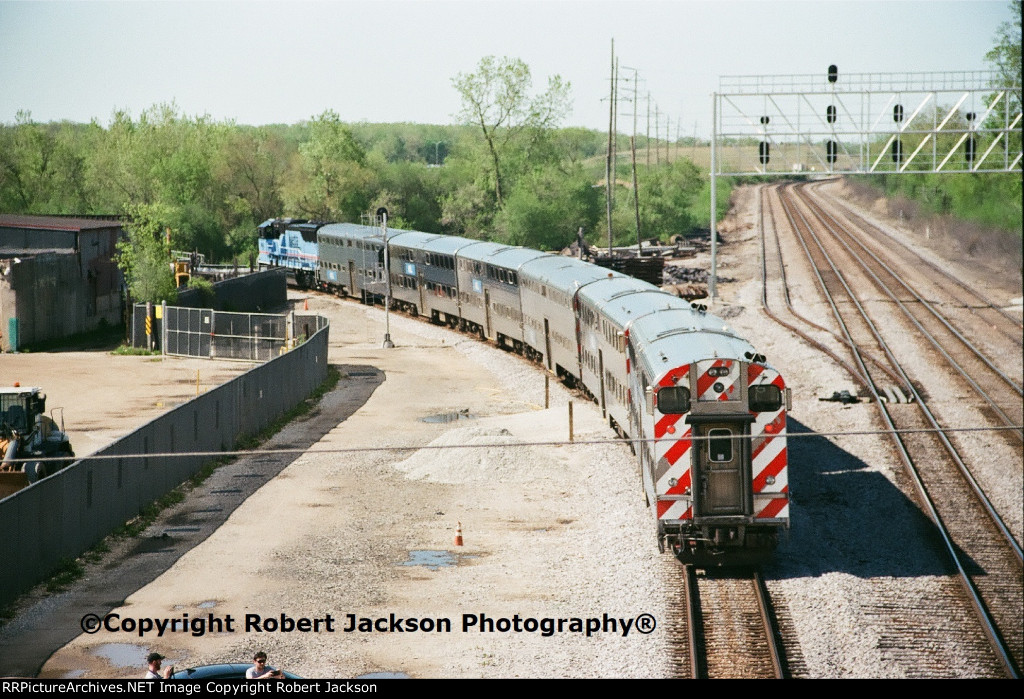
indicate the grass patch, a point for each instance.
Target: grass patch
{"x":126,"y":351}
{"x":67,"y":572}
{"x":252,"y":442}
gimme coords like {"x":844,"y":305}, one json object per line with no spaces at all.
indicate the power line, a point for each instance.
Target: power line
{"x":496,"y":445}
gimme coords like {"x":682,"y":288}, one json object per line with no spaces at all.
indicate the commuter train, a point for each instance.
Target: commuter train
{"x":704,"y":413}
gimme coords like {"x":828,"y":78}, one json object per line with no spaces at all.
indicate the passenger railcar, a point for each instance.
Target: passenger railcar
{"x":549,"y":285}
{"x":488,"y":276}
{"x":704,"y":413}
{"x":712,"y":415}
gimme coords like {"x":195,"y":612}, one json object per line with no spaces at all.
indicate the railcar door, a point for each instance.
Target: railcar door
{"x":722,"y":469}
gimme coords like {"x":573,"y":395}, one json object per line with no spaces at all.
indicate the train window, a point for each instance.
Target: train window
{"x":720,"y":445}
{"x":765,"y":398}
{"x":674,"y":400}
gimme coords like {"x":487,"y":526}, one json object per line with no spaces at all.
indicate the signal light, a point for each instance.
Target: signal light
{"x":830,"y":151}
{"x":833,"y":73}
{"x":763,"y":151}
{"x":765,"y":120}
{"x":897,"y":151}
{"x":830,"y":114}
{"x":897,"y":113}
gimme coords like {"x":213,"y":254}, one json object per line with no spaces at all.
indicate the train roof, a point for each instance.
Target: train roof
{"x":355,"y":231}
{"x":416,"y":239}
{"x":678,"y":336}
{"x":565,"y":273}
{"x":513,"y":258}
{"x":623,"y":299}
{"x":448,"y":244}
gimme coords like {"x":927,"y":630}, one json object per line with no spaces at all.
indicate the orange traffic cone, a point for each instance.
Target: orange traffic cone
{"x":458,"y":535}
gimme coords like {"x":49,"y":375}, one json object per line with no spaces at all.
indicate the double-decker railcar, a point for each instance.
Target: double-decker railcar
{"x":548,"y":286}
{"x":488,"y":283}
{"x":605,"y":308}
{"x":352,"y":261}
{"x":710,"y":414}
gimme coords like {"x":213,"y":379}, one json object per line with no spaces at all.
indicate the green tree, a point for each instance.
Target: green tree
{"x":41,"y":168}
{"x":547,"y":207}
{"x":145,"y":256}
{"x":514,"y":124}
{"x":1005,"y":58}
{"x":331,"y":182}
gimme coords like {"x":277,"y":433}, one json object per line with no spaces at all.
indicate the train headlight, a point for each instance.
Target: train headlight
{"x":770,"y":480}
{"x":672,"y":482}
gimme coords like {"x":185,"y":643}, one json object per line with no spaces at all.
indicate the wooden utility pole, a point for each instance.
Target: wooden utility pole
{"x":636,"y":195}
{"x":632,"y":147}
{"x":608,"y":158}
{"x":657,"y":146}
{"x":648,"y":130}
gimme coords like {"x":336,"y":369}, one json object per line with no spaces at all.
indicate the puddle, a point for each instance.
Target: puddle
{"x":122,"y":654}
{"x":384,"y":676}
{"x":433,"y":559}
{"x":453,"y":416}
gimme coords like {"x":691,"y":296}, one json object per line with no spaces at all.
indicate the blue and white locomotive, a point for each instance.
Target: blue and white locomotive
{"x":704,"y":413}
{"x":291,"y":244}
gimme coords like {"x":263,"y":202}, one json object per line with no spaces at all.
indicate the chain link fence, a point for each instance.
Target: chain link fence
{"x":203,"y":332}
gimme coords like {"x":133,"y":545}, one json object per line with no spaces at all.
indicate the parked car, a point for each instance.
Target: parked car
{"x":221,"y":671}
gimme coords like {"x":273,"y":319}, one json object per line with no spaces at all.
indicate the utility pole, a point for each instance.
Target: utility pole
{"x":636,"y":194}
{"x":712,"y":290}
{"x":608,"y":158}
{"x":636,"y":186}
{"x":657,"y":146}
{"x":648,"y":130}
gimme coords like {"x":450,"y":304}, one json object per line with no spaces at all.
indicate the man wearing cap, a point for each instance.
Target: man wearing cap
{"x":154,"y":672}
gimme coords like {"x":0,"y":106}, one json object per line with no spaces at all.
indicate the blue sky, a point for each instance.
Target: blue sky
{"x":392,"y":61}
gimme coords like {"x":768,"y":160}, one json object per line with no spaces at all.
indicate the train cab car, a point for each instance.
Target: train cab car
{"x":290,"y":244}
{"x":547,"y":288}
{"x":352,"y":261}
{"x":407,"y":261}
{"x":605,"y":309}
{"x":490,"y":304}
{"x":711,"y":416}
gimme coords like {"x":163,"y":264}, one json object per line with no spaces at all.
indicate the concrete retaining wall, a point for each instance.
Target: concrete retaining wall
{"x":68,"y":513}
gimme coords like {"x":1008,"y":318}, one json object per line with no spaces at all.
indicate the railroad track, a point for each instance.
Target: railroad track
{"x":724,"y":627}
{"x":986,"y":558}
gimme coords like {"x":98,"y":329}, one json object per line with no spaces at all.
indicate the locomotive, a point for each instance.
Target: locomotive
{"x":290,"y":244}
{"x":702,"y":411}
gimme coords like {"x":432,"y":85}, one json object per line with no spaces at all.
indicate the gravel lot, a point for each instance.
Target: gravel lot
{"x":550,"y":530}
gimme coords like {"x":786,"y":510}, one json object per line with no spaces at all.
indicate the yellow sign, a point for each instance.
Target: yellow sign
{"x":159,"y":312}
